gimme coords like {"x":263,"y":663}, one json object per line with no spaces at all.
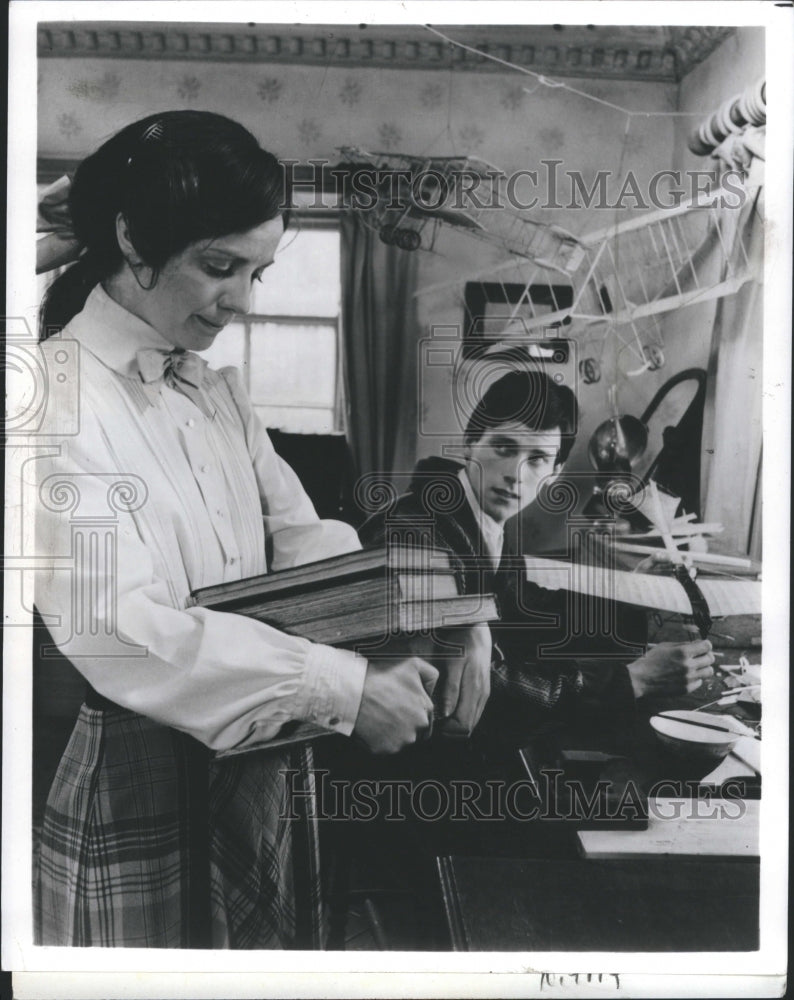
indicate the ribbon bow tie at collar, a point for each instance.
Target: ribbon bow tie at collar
{"x":183,"y":365}
{"x":182,"y":370}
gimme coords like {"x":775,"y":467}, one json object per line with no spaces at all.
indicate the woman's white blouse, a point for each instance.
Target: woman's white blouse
{"x":144,"y":499}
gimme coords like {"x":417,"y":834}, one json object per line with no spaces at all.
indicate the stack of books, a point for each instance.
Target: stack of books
{"x":360,"y":600}
{"x":357,"y":597}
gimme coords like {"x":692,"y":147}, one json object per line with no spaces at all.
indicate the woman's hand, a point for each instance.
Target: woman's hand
{"x":396,"y":707}
{"x":671,"y":669}
{"x":466,"y":681}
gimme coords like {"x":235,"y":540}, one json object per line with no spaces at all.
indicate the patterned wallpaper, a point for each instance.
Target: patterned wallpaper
{"x":307,"y":111}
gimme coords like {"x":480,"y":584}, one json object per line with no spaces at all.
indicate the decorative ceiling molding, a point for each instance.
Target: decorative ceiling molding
{"x":693,"y":44}
{"x":598,"y":51}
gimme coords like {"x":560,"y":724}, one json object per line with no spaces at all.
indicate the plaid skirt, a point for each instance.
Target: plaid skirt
{"x":148,"y":842}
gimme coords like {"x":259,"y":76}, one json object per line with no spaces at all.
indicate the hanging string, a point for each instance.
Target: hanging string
{"x":560,"y":84}
{"x":447,"y":129}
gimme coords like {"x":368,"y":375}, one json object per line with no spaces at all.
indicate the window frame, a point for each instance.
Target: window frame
{"x":322,"y":219}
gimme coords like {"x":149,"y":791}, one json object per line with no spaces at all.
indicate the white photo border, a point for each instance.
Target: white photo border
{"x":41,"y":971}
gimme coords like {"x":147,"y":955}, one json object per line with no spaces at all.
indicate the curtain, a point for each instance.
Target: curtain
{"x":381,"y":338}
{"x":733,"y":425}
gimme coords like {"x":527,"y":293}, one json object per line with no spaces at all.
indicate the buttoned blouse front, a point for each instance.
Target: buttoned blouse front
{"x":205,"y":494}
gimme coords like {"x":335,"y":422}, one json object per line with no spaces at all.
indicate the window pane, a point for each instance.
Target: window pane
{"x":228,"y":349}
{"x":303,"y":279}
{"x":301,"y":198}
{"x":297,"y":421}
{"x":293,"y":364}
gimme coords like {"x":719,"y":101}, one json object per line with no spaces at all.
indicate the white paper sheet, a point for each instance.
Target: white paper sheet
{"x":724,"y":597}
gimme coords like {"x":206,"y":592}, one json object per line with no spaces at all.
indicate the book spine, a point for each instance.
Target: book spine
{"x":331,"y":603}
{"x":336,"y":571}
{"x":303,"y":603}
{"x":390,"y":620}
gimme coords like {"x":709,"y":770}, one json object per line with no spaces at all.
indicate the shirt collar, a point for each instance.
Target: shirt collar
{"x":113,"y":334}
{"x":492,"y":531}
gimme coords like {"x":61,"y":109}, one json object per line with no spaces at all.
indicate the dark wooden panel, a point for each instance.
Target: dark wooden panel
{"x":502,"y":904}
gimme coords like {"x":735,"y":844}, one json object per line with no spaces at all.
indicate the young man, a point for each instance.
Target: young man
{"x":518,"y":437}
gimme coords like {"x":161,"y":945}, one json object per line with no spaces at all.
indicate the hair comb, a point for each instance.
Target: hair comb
{"x":153,"y":131}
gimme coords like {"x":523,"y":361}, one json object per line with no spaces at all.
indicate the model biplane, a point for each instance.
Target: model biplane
{"x":408,"y":198}
{"x":623,"y":279}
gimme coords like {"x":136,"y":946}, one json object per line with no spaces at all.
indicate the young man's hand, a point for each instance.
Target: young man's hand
{"x":396,"y":708}
{"x":671,"y":669}
{"x":466,"y":680}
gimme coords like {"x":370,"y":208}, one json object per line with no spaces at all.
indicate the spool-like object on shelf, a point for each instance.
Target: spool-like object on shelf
{"x":743,"y":110}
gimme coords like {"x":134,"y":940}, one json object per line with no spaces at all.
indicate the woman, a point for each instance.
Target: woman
{"x":148,"y":841}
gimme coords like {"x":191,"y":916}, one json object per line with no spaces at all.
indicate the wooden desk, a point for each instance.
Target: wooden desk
{"x":633,"y":757}
{"x":500,"y":904}
{"x":656,"y":904}
{"x":648,"y":902}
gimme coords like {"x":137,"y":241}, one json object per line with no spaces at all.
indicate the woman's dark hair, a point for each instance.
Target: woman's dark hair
{"x":531,"y":398}
{"x":176,"y":177}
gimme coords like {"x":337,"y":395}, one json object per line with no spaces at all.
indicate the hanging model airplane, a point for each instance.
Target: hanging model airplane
{"x":406,"y":199}
{"x":623,"y":277}
{"x":617,"y":279}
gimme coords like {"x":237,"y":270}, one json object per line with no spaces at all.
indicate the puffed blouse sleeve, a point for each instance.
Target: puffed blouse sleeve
{"x":225,"y":679}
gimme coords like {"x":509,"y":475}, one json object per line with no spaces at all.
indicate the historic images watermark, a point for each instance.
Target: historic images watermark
{"x":433,"y":184}
{"x":553,"y":797}
{"x":43,"y":415}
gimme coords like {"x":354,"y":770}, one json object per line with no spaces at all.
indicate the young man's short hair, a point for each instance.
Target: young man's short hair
{"x":531,"y":398}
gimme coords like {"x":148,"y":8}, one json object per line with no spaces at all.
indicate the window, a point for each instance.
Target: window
{"x":288,"y":344}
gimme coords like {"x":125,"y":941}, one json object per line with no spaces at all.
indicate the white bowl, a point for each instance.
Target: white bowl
{"x":690,"y":733}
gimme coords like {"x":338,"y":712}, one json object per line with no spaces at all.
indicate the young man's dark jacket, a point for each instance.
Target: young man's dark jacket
{"x":531,"y":691}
